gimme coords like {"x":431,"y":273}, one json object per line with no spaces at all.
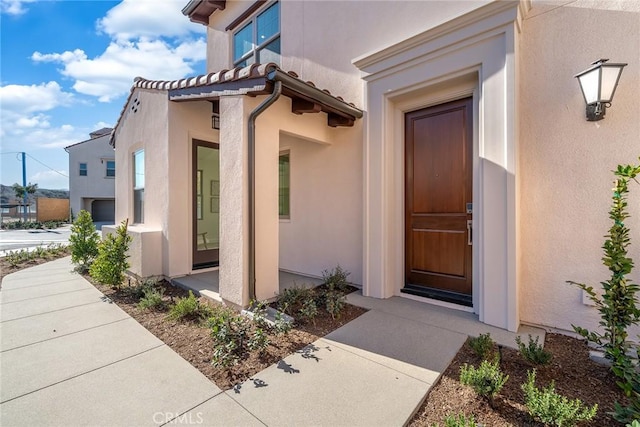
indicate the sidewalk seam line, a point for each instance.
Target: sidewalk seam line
{"x":67,"y":334}
{"x":42,"y":284}
{"x":83,"y":373}
{"x":246,"y":409}
{"x":193,"y":407}
{"x":53,"y":311}
{"x":45,"y":296}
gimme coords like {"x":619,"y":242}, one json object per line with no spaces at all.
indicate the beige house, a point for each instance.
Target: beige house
{"x":438,"y":150}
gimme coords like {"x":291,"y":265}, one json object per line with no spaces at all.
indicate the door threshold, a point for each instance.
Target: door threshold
{"x":437,"y":302}
{"x":438,"y":295}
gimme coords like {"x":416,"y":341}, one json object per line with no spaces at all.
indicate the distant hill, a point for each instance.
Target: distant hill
{"x":7,"y":195}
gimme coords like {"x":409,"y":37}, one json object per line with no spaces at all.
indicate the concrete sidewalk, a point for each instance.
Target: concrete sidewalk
{"x":71,"y":357}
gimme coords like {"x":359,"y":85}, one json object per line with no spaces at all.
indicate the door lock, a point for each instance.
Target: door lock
{"x":469,"y":232}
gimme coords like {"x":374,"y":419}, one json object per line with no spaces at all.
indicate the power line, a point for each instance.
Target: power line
{"x":47,"y":166}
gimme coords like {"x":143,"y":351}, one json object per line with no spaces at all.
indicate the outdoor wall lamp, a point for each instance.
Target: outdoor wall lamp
{"x":598,"y":84}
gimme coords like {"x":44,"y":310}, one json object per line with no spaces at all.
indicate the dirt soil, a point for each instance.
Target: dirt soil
{"x":575,"y":375}
{"x":194,"y":342}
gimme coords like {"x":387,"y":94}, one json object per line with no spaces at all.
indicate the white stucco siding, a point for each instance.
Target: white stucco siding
{"x":319,"y":39}
{"x":187,"y":121}
{"x":96,"y":184}
{"x":325,"y":225}
{"x":565,"y":161}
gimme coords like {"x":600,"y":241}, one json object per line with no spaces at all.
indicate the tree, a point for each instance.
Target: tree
{"x":23,"y":192}
{"x":83,"y":242}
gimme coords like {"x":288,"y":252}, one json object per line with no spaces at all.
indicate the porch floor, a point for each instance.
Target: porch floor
{"x":207,"y":283}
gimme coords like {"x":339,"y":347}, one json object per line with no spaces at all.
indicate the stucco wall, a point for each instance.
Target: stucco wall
{"x":96,"y":184}
{"x":319,"y":39}
{"x":565,"y":161}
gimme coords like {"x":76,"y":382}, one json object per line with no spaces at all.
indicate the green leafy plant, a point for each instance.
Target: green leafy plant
{"x":533,"y":352}
{"x":551,"y":408}
{"x":334,"y":302}
{"x":309,"y":310}
{"x":83,"y":242}
{"x":459,"y":420}
{"x":482,"y":345}
{"x":486,"y":380}
{"x":336,"y":279}
{"x":152,"y":299}
{"x":281,"y":324}
{"x":235,"y":335}
{"x":189,"y":308}
{"x":111,"y":263}
{"x":618,"y":304}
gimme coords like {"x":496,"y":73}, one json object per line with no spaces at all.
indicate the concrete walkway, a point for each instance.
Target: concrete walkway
{"x":71,"y":357}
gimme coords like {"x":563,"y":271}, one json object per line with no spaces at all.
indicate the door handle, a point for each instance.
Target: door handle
{"x":469,"y":232}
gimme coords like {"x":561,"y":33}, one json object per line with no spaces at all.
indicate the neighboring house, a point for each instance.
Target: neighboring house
{"x":92,"y":172}
{"x":437,"y":150}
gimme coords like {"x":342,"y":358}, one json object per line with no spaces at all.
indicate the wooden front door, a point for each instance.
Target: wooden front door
{"x":438,"y":197}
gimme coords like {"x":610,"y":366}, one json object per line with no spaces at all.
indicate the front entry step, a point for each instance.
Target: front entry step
{"x":448,"y":296}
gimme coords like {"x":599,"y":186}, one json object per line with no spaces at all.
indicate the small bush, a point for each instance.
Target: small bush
{"x":152,"y":299}
{"x":533,"y":352}
{"x":334,"y":302}
{"x":552,"y":408}
{"x":482,"y":345}
{"x":282,"y":325}
{"x":459,"y":420}
{"x":111,"y":263}
{"x":487,"y":380}
{"x":291,"y":300}
{"x":235,"y":335}
{"x":83,"y":241}
{"x":189,"y":308}
{"x":336,"y":279}
{"x":309,"y":310}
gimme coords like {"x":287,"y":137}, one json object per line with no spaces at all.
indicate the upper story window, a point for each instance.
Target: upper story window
{"x":83,"y":169}
{"x":111,"y":168}
{"x":259,"y":40}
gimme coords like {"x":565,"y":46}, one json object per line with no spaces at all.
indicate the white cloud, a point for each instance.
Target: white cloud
{"x":51,"y":180}
{"x":32,"y":98}
{"x":111,"y":74}
{"x":13,"y":7}
{"x":132,"y":19}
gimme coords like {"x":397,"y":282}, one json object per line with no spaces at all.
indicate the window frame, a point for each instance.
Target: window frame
{"x":254,"y":52}
{"x":81,"y":169}
{"x":107,"y":169}
{"x":284,"y":216}
{"x":138,"y":217}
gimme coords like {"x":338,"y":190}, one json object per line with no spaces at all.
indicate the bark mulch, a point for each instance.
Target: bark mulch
{"x":194,"y":343}
{"x":575,"y":375}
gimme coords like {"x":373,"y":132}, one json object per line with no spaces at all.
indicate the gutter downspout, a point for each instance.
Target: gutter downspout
{"x":277,"y":91}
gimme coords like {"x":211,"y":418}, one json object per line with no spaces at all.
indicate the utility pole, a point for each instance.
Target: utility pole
{"x":24,"y":185}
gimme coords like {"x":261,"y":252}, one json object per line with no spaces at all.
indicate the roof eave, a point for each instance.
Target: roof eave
{"x":199,"y":11}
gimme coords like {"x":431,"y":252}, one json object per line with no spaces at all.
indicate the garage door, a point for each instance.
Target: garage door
{"x":103,"y":210}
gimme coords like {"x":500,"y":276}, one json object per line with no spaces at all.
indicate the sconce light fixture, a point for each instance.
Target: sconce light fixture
{"x":598,"y":84}
{"x":215,"y":114}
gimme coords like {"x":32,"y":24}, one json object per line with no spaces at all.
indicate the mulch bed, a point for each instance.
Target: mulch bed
{"x":194,"y":342}
{"x":575,"y":375}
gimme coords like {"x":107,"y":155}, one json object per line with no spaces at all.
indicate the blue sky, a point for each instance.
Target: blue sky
{"x":66,"y":68}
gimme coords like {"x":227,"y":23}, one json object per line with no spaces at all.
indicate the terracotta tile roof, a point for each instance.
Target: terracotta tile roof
{"x":253,"y":79}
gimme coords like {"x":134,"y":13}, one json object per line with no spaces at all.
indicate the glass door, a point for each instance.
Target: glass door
{"x":206,"y":204}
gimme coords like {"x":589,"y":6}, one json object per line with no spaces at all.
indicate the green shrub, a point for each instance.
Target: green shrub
{"x":189,"y":308}
{"x":533,"y":352}
{"x":111,"y":263}
{"x":336,"y":279}
{"x":482,"y":345}
{"x":334,"y":302}
{"x":552,"y":408}
{"x":487,"y":380}
{"x":459,"y":420}
{"x":83,"y":241}
{"x":290,"y":300}
{"x":152,"y":298}
{"x":282,"y":325}
{"x":234,"y":336}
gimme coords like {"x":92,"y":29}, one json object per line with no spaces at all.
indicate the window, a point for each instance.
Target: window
{"x":111,"y":168}
{"x":83,"y":169}
{"x":283,"y":186}
{"x":138,"y":187}
{"x":259,"y":40}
